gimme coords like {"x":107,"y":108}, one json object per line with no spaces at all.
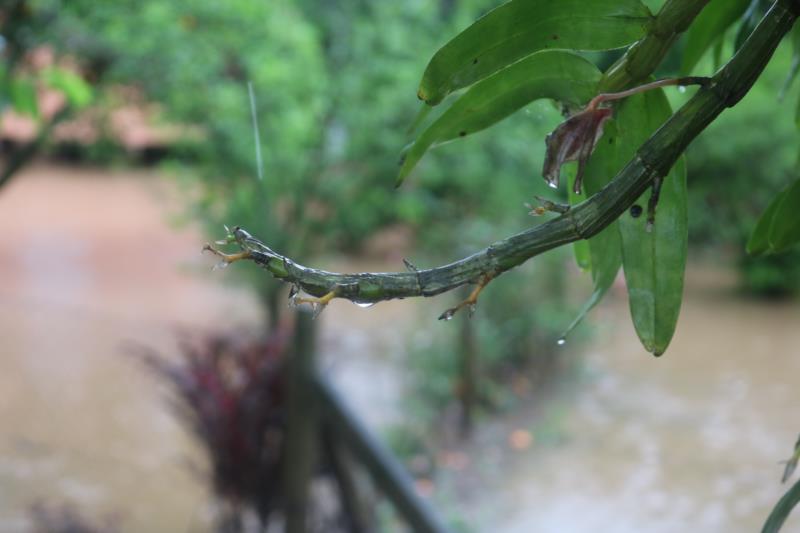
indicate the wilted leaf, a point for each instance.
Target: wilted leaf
{"x":559,"y":75}
{"x":710,"y":25}
{"x":574,"y":140}
{"x":654,"y":261}
{"x":521,"y":27}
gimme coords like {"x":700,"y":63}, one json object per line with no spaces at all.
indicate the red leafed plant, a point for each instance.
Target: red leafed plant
{"x":230,"y":392}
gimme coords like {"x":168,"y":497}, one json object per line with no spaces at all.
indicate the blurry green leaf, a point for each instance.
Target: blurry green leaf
{"x":23,"y":97}
{"x":795,"y":66}
{"x":559,"y":75}
{"x":784,"y":231}
{"x":520,"y":27}
{"x":75,"y":89}
{"x":709,"y":25}
{"x":782,"y":509}
{"x":755,"y":11}
{"x":422,"y":114}
{"x":791,"y":463}
{"x":654,"y":261}
{"x":759,"y":239}
{"x":583,"y":254}
{"x":605,"y":248}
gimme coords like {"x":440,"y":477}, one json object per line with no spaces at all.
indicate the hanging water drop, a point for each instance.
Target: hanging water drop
{"x":219,"y":266}
{"x":364,"y":305}
{"x":561,"y":342}
{"x":681,"y":89}
{"x":293,"y":292}
{"x":447,"y":315}
{"x":472,"y":308}
{"x":552,"y":184}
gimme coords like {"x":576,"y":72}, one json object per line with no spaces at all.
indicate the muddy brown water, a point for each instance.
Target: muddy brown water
{"x":688,"y":442}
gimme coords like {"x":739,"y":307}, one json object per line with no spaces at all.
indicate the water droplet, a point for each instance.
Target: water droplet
{"x":561,"y":342}
{"x":681,"y":88}
{"x":472,"y":308}
{"x":447,"y":315}
{"x":649,"y":227}
{"x":293,"y":292}
{"x":364,"y":305}
{"x":219,"y":266}
{"x":552,"y":184}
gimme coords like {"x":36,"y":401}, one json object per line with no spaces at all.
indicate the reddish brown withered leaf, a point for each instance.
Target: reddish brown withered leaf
{"x":574,"y":140}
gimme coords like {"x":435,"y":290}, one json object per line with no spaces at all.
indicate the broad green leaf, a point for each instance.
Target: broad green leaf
{"x":759,"y":242}
{"x":654,"y":260}
{"x":23,"y":97}
{"x":75,"y":89}
{"x":605,"y":248}
{"x":559,"y":75}
{"x":782,"y":509}
{"x":784,"y":230}
{"x":709,"y":25}
{"x":519,"y":28}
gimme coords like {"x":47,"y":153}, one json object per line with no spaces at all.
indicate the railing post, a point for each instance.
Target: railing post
{"x":301,"y":432}
{"x":384,"y":469}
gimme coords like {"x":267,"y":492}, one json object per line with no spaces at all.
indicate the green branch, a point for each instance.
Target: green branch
{"x":643,"y":57}
{"x":653,"y":160}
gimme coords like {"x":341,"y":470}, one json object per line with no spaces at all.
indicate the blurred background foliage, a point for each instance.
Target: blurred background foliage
{"x":335,"y":90}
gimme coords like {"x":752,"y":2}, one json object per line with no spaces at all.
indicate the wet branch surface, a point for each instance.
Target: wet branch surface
{"x":652,"y":161}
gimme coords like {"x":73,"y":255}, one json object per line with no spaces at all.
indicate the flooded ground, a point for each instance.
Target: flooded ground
{"x":687,"y":442}
{"x":88,"y":261}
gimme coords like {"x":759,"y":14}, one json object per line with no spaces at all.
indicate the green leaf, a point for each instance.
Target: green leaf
{"x":782,"y":509}
{"x":75,"y":89}
{"x":759,"y":242}
{"x":583,"y":254}
{"x":710,"y":25}
{"x":559,"y":75}
{"x":784,"y":231}
{"x":795,"y":66}
{"x":23,"y":95}
{"x":519,"y":28}
{"x":654,"y":261}
{"x":605,"y":248}
{"x":750,"y":19}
